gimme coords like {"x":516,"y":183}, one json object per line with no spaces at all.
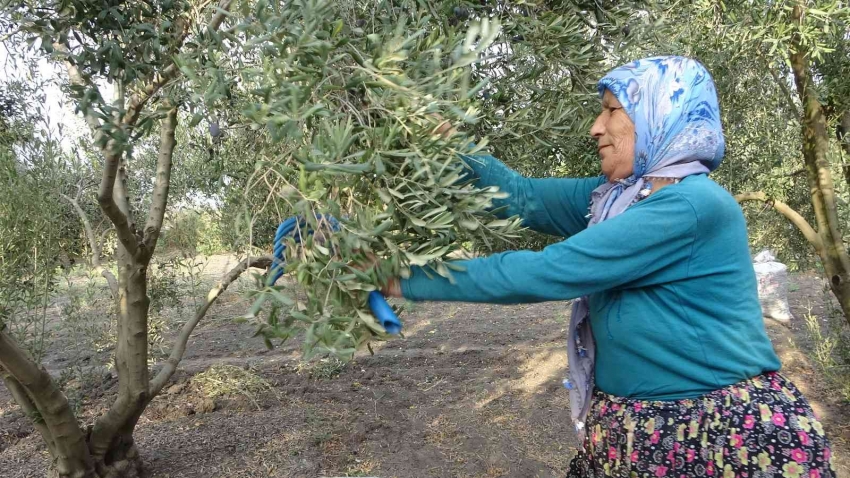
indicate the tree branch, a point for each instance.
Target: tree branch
{"x":93,"y":243}
{"x":112,"y":158}
{"x":76,"y":77}
{"x":19,"y":394}
{"x":179,"y":346}
{"x":103,"y":236}
{"x":162,"y":183}
{"x":106,"y":199}
{"x":110,"y":280}
{"x":106,"y":273}
{"x":69,"y":441}
{"x":796,"y":219}
{"x":784,"y":87}
{"x":122,"y":197}
{"x":218,"y":18}
{"x":139,"y":100}
{"x":842,"y":130}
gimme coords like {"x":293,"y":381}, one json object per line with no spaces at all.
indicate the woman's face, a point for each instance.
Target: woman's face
{"x":614,"y":132}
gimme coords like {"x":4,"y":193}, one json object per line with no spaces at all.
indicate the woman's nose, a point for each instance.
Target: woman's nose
{"x":598,"y":128}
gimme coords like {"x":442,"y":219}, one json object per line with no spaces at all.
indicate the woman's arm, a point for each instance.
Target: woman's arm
{"x":556,"y":206}
{"x":651,"y":243}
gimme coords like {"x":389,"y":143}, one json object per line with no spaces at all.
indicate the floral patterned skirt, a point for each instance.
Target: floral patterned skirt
{"x":762,"y":427}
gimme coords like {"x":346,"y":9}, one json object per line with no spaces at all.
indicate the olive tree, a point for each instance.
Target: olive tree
{"x":791,"y":42}
{"x":129,"y":48}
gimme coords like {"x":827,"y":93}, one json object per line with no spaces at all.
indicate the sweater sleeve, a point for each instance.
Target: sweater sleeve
{"x":555,"y":206}
{"x":649,"y":243}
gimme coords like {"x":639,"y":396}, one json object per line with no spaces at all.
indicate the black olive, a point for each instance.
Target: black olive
{"x":215,"y":130}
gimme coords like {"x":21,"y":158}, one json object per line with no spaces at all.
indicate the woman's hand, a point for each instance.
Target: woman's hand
{"x":445,"y":128}
{"x":393,"y":286}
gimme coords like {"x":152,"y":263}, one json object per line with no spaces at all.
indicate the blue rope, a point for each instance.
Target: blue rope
{"x":294,"y":227}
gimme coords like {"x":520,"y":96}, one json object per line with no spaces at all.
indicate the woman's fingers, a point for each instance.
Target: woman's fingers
{"x":393,"y":286}
{"x":444,"y":128}
{"x":370,"y":262}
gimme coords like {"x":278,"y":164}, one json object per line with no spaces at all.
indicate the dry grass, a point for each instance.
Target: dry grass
{"x":229,"y":380}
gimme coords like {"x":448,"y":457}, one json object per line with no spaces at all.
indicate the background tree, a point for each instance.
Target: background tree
{"x":29,"y":242}
{"x":788,"y":41}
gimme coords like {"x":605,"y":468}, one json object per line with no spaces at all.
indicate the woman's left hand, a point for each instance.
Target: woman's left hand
{"x":393,"y":285}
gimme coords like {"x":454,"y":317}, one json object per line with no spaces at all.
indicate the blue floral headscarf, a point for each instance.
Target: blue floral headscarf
{"x":673,"y":104}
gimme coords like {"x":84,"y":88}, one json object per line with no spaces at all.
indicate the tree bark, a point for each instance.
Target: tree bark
{"x":835,"y":260}
{"x":796,"y":219}
{"x":73,"y":459}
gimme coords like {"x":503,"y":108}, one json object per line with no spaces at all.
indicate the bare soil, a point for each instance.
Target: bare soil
{"x":471,"y":391}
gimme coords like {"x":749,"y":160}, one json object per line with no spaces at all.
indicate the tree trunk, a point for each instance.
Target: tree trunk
{"x":122,"y":459}
{"x":815,"y":138}
{"x":40,"y":398}
{"x":111,"y":437}
{"x":109,"y":450}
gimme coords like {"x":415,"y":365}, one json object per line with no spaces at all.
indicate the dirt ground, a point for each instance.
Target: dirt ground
{"x":471,"y":391}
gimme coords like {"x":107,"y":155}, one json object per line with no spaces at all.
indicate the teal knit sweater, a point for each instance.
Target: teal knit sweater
{"x":673,"y":300}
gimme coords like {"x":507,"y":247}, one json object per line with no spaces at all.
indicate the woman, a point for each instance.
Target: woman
{"x":671,"y":371}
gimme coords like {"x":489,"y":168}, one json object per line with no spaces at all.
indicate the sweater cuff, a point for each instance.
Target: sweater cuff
{"x":477,"y":165}
{"x":407,"y":287}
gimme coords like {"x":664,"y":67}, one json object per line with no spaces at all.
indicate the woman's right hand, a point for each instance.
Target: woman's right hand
{"x":445,"y":128}
{"x":393,"y":286}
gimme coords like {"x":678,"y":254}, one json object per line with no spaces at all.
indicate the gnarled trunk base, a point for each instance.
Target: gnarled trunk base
{"x":122,"y":461}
